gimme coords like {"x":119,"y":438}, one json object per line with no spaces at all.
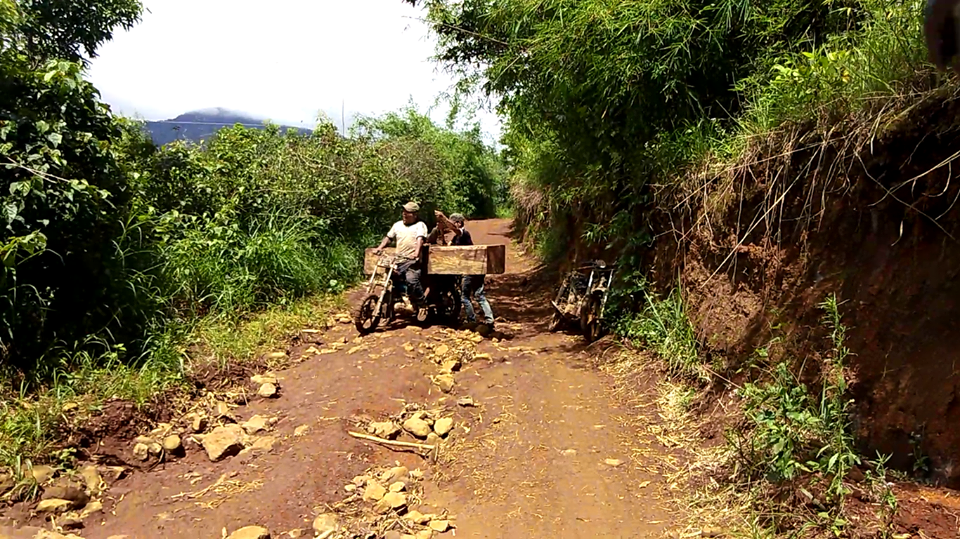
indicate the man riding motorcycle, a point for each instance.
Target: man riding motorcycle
{"x":409,"y":233}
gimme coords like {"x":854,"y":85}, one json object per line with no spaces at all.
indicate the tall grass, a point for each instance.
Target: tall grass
{"x":663,"y":326}
{"x":224,"y":267}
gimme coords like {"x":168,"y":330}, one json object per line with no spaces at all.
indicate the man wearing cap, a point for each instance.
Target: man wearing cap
{"x":409,"y":234}
{"x":472,"y":284}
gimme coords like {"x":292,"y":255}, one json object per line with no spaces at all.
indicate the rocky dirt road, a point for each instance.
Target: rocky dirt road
{"x":539,"y":445}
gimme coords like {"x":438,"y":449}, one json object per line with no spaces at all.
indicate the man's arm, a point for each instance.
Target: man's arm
{"x":386,"y":241}
{"x":421,"y":235}
{"x":447,"y":223}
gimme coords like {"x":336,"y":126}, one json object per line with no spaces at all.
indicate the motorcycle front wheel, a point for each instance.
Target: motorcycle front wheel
{"x":365,"y":318}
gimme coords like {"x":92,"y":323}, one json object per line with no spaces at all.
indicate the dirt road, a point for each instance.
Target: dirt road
{"x":548,"y":451}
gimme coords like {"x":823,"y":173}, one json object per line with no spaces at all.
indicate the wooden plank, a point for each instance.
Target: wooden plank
{"x":467,"y":260}
{"x":452,"y":259}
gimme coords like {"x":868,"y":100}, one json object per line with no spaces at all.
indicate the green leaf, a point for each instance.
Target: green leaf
{"x":10,"y":211}
{"x":55,"y":139}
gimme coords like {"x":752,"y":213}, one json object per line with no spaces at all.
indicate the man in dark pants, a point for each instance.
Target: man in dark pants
{"x":472,"y":284}
{"x":409,"y":234}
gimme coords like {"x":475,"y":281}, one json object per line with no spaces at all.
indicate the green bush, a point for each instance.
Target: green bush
{"x":110,"y":242}
{"x":795,"y":432}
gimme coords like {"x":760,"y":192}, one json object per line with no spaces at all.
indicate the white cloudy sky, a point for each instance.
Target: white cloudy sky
{"x":285,"y":60}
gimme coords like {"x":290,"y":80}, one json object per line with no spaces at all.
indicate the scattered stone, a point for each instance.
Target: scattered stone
{"x":263,"y":443}
{"x":141,"y":452}
{"x":568,"y":452}
{"x":160,"y":431}
{"x":374,"y":492}
{"x":34,"y":532}
{"x":392,"y":534}
{"x":424,"y":534}
{"x":477,"y":338}
{"x":384,"y":429}
{"x":198,"y":423}
{"x":361,"y":480}
{"x":416,"y":517}
{"x":480,"y":357}
{"x":250,"y":532}
{"x":433,"y":439}
{"x":91,"y":478}
{"x":398,"y":486}
{"x":356,"y":349}
{"x":442,"y":350}
{"x":344,"y":319}
{"x":301,"y":430}
{"x":350,"y":488}
{"x":267,"y":391}
{"x":391,"y":501}
{"x":417,"y":427}
{"x":416,"y":474}
{"x":172,"y":444}
{"x":711,"y":531}
{"x":439,"y":526}
{"x":154,"y":449}
{"x":394,"y":474}
{"x":266,"y":378}
{"x":443,"y":426}
{"x":223,"y":410}
{"x":613,"y":462}
{"x":42,"y":474}
{"x":276,"y":355}
{"x":223,"y":441}
{"x":145,"y":440}
{"x":77,"y":497}
{"x":54,"y":505}
{"x":93,"y":506}
{"x":408,"y":347}
{"x":115,"y":473}
{"x":444,"y":382}
{"x":255,"y":424}
{"x":325,"y":523}
{"x":450,"y":366}
{"x":467,"y":402}
{"x":70,"y":521}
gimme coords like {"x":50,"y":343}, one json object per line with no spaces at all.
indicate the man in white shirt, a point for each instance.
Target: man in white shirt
{"x":409,"y":233}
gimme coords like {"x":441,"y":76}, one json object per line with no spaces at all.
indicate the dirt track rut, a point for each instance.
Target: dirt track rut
{"x":536,"y":458}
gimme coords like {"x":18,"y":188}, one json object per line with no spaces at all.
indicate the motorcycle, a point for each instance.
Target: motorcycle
{"x":582,"y":297}
{"x":386,"y":287}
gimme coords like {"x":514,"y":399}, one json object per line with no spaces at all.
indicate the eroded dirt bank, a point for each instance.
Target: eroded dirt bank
{"x":870,"y":217}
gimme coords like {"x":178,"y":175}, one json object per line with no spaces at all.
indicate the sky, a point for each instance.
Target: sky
{"x":283,"y":60}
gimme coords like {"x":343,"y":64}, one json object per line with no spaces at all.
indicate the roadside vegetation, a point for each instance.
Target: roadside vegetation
{"x":631,"y":121}
{"x":130,"y":269}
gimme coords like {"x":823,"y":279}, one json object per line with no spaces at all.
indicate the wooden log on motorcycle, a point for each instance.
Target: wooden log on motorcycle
{"x":452,"y":259}
{"x":466,"y":259}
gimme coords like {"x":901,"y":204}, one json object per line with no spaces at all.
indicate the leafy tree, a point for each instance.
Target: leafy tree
{"x":70,"y":29}
{"x":606,"y":97}
{"x":472,"y":171}
{"x":63,"y":195}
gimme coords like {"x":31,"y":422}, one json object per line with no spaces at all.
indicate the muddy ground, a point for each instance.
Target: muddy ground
{"x":544,"y":443}
{"x":547,"y":451}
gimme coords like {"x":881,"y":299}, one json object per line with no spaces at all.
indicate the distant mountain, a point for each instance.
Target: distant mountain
{"x":201,"y":125}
